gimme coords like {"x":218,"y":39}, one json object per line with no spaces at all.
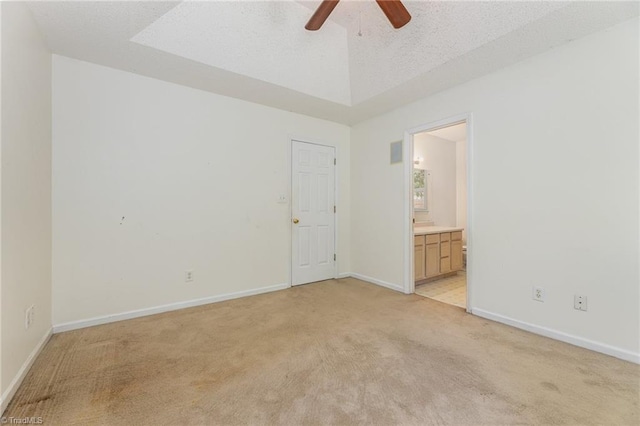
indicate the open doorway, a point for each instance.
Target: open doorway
{"x":438,"y":172}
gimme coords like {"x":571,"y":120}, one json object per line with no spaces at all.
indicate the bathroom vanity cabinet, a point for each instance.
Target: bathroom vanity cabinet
{"x":437,"y":252}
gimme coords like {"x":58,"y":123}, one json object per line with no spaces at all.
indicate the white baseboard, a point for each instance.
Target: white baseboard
{"x":378,"y":282}
{"x":344,"y":275}
{"x":17,"y":380}
{"x":74,"y":325}
{"x":559,"y":335}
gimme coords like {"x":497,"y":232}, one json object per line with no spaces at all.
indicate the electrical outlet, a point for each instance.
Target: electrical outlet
{"x":580,"y":302}
{"x":538,"y":294}
{"x":188,"y":276}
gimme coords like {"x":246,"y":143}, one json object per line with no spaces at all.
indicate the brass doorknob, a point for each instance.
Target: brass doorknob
{"x":296,"y":220}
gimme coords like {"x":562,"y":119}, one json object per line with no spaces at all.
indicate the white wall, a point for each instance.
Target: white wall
{"x":554,"y":188}
{"x":151,"y":179}
{"x":439,"y":157}
{"x":25,"y":192}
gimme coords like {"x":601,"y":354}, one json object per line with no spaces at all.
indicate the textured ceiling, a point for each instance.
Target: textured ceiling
{"x":259,"y":51}
{"x":382,"y":57}
{"x":261,"y":40}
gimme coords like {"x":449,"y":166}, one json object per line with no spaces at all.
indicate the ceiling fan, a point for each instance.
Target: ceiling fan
{"x":394,"y":9}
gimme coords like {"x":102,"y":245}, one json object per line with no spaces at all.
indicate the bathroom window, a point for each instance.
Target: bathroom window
{"x":420,"y":189}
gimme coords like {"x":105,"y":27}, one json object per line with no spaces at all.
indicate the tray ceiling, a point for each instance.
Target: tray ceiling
{"x":354,"y":67}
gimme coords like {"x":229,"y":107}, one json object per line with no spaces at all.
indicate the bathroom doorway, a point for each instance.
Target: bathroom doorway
{"x":438,"y":173}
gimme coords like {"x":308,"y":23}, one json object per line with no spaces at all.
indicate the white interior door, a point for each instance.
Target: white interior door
{"x":313,"y":212}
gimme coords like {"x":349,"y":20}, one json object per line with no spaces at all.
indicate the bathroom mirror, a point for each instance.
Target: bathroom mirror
{"x":420,"y":190}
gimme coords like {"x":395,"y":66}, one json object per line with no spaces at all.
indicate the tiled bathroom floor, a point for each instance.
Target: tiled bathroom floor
{"x":451,"y":290}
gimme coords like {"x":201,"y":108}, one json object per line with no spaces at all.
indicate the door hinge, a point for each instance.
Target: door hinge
{"x":334,"y":257}
{"x":334,"y":209}
{"x":334,"y":161}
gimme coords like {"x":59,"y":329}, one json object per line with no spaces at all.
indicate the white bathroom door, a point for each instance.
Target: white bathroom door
{"x":312,"y":212}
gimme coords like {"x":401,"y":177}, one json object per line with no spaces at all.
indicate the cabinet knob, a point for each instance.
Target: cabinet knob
{"x":296,"y":220}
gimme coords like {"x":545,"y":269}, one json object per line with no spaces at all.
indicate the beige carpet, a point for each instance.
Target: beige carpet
{"x":337,"y":352}
{"x":451,"y":290}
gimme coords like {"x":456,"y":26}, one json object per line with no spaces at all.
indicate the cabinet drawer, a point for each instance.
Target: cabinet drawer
{"x":445,"y":236}
{"x":445,"y":265}
{"x":418,"y":240}
{"x":445,"y":249}
{"x":456,"y":236}
{"x":433,"y":239}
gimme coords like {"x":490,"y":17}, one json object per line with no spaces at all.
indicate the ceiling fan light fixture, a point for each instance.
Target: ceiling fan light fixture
{"x":321,"y":14}
{"x":394,"y":10}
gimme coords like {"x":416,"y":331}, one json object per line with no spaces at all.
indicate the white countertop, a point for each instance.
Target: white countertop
{"x":426,"y":230}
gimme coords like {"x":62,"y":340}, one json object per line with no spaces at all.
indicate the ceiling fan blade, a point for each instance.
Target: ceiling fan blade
{"x":395,"y":11}
{"x":321,"y":14}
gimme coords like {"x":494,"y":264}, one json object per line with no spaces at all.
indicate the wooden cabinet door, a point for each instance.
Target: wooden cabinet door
{"x":418,"y":259}
{"x":432,"y":260}
{"x":456,"y":255}
{"x":445,"y":265}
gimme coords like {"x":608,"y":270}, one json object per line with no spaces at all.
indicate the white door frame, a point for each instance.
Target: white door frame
{"x":293,"y":138}
{"x":407,"y":149}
